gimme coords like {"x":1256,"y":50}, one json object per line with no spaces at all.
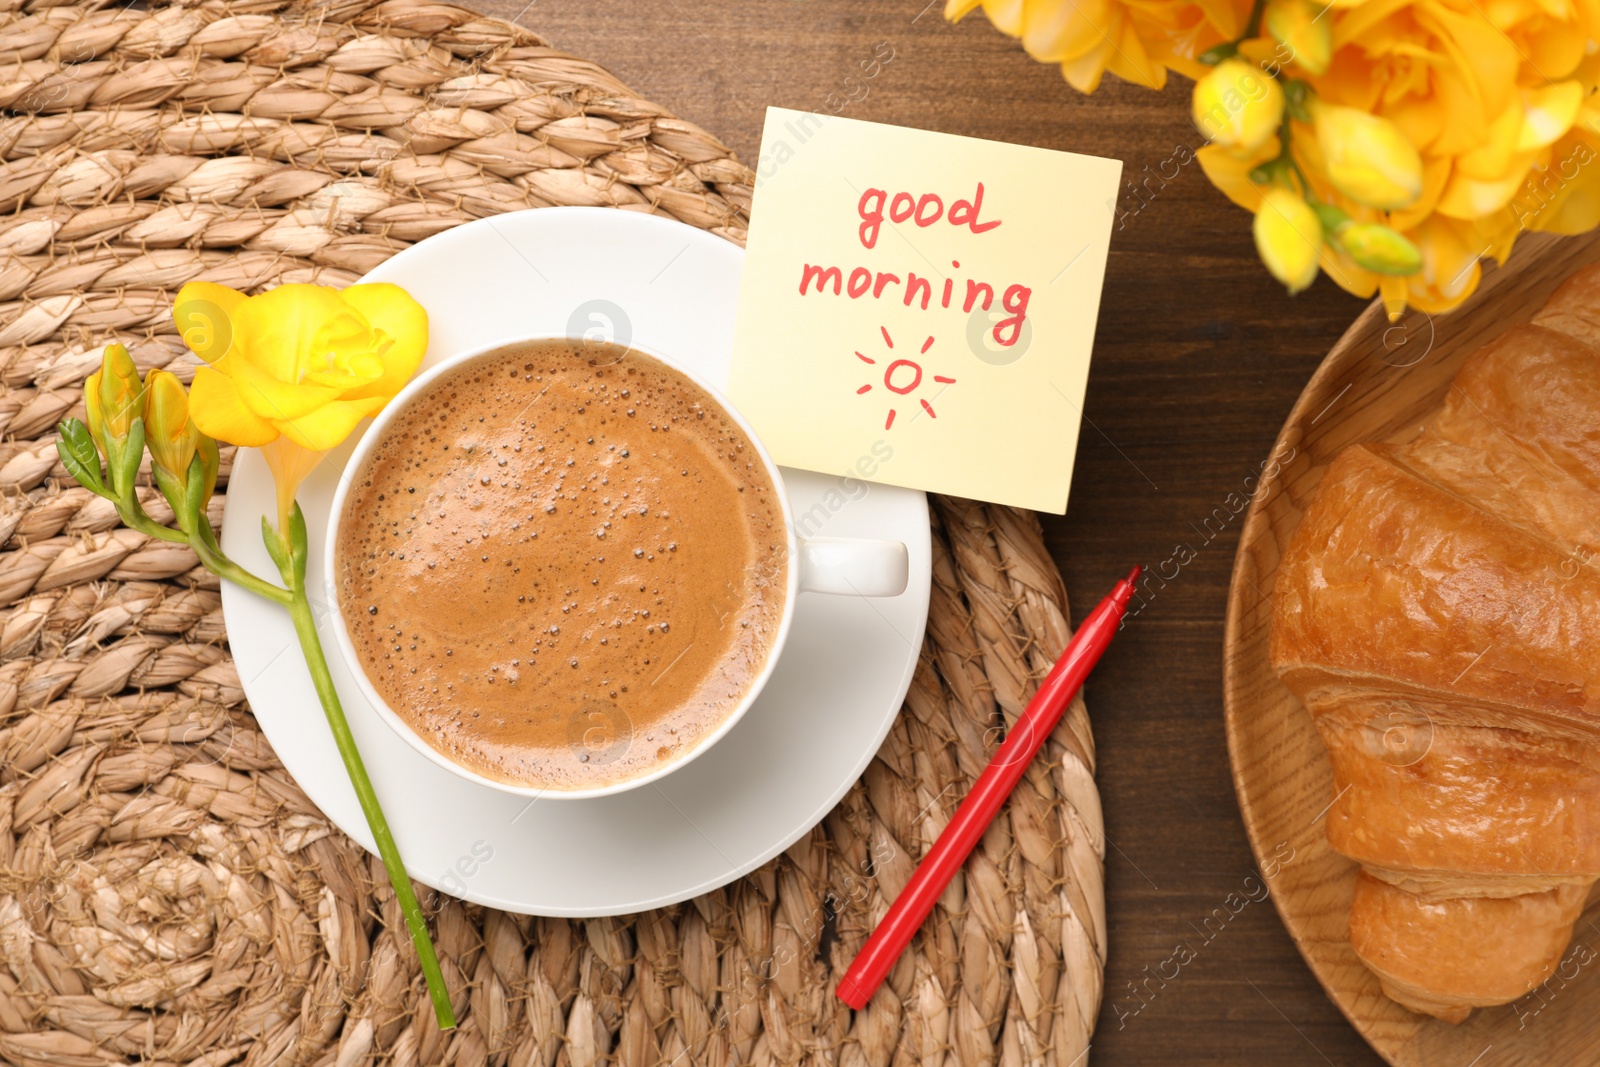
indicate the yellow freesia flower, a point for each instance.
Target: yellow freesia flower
{"x":1367,"y":158}
{"x":173,"y":438}
{"x":111,"y":397}
{"x":169,"y":432}
{"x":294,"y":369}
{"x":1455,"y":124}
{"x":1238,"y":104}
{"x":1137,"y":41}
{"x":292,"y":372}
{"x":1493,"y":110}
{"x":1288,"y":237}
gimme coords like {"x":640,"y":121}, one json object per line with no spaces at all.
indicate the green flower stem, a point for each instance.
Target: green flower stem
{"x":134,"y":518}
{"x":306,"y":627}
{"x":288,"y":550}
{"x":205,"y":546}
{"x":290,"y":556}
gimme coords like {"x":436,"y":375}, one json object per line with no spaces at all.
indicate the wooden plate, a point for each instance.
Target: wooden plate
{"x":1380,"y":382}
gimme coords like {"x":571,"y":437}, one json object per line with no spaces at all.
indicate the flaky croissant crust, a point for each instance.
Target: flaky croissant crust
{"x":1438,"y":612}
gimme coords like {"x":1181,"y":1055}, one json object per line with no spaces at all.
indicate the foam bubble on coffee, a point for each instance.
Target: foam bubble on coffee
{"x":563,"y":564}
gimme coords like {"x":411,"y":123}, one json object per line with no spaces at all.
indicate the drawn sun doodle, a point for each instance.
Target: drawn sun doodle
{"x":902,"y":376}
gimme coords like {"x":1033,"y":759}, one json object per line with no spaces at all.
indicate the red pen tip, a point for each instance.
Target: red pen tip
{"x":1124,"y":591}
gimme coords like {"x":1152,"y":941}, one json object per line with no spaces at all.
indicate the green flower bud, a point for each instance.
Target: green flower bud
{"x":1379,"y":248}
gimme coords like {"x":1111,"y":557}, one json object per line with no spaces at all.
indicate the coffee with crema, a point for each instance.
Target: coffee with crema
{"x":562,"y":565}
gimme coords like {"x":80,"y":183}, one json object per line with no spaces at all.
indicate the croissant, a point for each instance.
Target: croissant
{"x":1438,"y":613}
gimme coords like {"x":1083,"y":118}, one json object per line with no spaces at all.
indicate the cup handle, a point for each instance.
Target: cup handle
{"x":853,"y":567}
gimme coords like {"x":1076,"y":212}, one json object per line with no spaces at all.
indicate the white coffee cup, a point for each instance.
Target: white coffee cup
{"x":844,"y":566}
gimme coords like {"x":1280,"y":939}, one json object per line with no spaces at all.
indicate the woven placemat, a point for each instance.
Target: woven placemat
{"x":167,"y":893}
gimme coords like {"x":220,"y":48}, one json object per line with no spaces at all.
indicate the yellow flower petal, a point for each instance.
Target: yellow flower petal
{"x":1230,"y":172}
{"x":1548,"y":113}
{"x":1084,"y":72}
{"x":269,"y":397}
{"x":402,"y":323}
{"x":351,"y":368}
{"x":204,"y":313}
{"x":1393,"y":291}
{"x":219,"y":413}
{"x":1130,"y":60}
{"x":283,"y":331}
{"x":1497,"y":145}
{"x":1006,"y":15}
{"x":1481,"y":51}
{"x":1347,"y":273}
{"x":1435,"y":176}
{"x":92,"y":416}
{"x":1054,"y":31}
{"x":1358,"y":18}
{"x":1464,"y":116}
{"x":1305,"y":33}
{"x":1436,"y":304}
{"x":1450,"y":254}
{"x":1565,"y":198}
{"x":1469,"y":198}
{"x":1490,"y":236}
{"x":1225,"y":17}
{"x":326,"y":427}
{"x":1554,"y":48}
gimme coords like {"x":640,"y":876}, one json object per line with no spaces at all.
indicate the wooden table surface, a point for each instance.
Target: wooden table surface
{"x":1198,"y":357}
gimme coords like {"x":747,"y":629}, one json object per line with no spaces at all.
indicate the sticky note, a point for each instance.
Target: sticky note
{"x":918,"y":309}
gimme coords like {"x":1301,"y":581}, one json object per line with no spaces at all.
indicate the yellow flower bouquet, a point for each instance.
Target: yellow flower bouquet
{"x":1391,"y":144}
{"x":291,"y":372}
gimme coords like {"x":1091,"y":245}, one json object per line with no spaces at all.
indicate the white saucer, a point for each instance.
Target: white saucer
{"x":830,"y":702}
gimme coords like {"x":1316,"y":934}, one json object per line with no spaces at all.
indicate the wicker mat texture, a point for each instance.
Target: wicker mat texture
{"x":167,"y":893}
